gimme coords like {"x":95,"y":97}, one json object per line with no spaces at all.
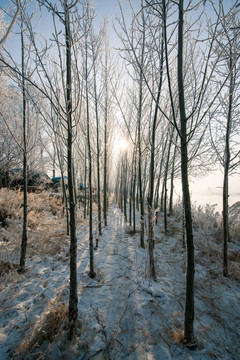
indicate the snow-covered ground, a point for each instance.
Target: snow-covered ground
{"x":122,"y":314}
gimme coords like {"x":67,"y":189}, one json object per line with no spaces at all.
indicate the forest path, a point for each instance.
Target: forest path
{"x":121,"y":311}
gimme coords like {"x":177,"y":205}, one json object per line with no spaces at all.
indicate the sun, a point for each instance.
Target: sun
{"x":123,"y":144}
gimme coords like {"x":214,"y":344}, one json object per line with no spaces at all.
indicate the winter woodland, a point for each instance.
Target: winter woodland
{"x":102,"y":254}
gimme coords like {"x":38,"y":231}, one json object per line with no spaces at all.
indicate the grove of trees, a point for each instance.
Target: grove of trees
{"x":164,"y":77}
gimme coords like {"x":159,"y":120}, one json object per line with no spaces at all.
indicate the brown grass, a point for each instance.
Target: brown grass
{"x":46,"y":225}
{"x":234,"y":256}
{"x":6,"y":267}
{"x":234,"y":271}
{"x":177,"y":335}
{"x":174,"y":229}
{"x":46,"y":328}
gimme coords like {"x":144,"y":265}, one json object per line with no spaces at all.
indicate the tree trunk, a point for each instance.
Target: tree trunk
{"x":25,"y":205}
{"x":190,"y":270}
{"x":139,"y":119}
{"x":125,"y":186}
{"x":92,"y":274}
{"x":73,"y":297}
{"x":226,"y":170}
{"x":105,"y":145}
{"x":134,"y":194}
{"x":85,"y":183}
{"x":151,"y":239}
{"x":172,"y":179}
{"x":165,"y":181}
{"x":130,"y":200}
{"x":98,"y":147}
{"x":157,"y":189}
{"x":65,"y":200}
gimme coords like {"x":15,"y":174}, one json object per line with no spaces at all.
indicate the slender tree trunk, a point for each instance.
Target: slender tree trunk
{"x":157,"y":189}
{"x":137,"y":197}
{"x":105,"y":145}
{"x":134,"y":194}
{"x":151,"y":239}
{"x":172,"y":180}
{"x":85,"y":183}
{"x":92,"y":274}
{"x":190,"y":270}
{"x":105,"y":173}
{"x":73,"y":297}
{"x":162,"y":195}
{"x":141,"y":198}
{"x":139,"y":119}
{"x":165,"y":181}
{"x":66,"y":207}
{"x":24,"y":119}
{"x":54,"y":161}
{"x":226,"y":171}
{"x":98,"y":148}
{"x":65,"y":200}
{"x":140,"y":187}
{"x":130,"y":200}
{"x":125,"y":176}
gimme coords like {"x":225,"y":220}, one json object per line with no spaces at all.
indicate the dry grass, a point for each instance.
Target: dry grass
{"x":46,"y":328}
{"x":7,"y":267}
{"x":177,"y":335}
{"x":11,"y":202}
{"x":234,"y":256}
{"x":174,"y":229}
{"x":46,"y":225}
{"x":234,"y":271}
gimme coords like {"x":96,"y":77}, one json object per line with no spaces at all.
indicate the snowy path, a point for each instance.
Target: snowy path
{"x":125,"y":316}
{"x":122,"y":314}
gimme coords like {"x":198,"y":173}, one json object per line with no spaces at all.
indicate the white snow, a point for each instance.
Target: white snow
{"x":122,"y":313}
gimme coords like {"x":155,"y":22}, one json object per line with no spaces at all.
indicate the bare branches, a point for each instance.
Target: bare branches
{"x":13,"y":22}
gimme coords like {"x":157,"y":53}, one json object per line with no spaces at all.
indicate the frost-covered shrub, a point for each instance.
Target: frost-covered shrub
{"x":178,"y":210}
{"x":234,"y":224}
{"x":205,"y":218}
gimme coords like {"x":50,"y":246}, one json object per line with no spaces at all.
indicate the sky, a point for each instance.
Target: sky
{"x":204,"y":190}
